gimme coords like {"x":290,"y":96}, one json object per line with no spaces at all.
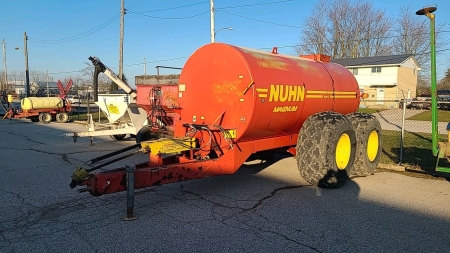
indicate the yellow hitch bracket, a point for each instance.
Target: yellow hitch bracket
{"x":80,"y":174}
{"x":169,"y":146}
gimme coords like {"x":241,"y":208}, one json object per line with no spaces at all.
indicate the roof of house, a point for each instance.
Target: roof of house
{"x":44,"y":84}
{"x":373,"y":61}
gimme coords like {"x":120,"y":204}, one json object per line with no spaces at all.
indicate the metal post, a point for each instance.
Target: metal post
{"x":122,"y":14}
{"x":27,"y":72}
{"x":405,"y":102}
{"x":212,"y":21}
{"x":130,"y":194}
{"x":434,"y":120}
{"x":428,"y":11}
{"x":47,"y":85}
{"x":4,"y":62}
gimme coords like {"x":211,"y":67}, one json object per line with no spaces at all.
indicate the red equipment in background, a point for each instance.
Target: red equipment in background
{"x":42,"y":109}
{"x":63,"y":92}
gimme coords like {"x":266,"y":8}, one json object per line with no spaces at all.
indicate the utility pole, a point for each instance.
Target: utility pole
{"x":122,"y":14}
{"x":145,"y":67}
{"x":27,"y":72}
{"x":212,"y":21}
{"x":47,"y":84}
{"x":6,"y":71}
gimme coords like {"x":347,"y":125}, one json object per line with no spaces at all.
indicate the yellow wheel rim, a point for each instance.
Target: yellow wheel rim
{"x":372,"y":146}
{"x":343,"y":151}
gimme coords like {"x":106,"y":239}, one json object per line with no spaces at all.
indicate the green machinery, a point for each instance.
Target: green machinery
{"x":440,"y":149}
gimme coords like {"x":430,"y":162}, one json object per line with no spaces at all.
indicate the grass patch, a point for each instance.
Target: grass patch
{"x":83,"y":116}
{"x":443,"y":116}
{"x":370,"y":110}
{"x":416,"y":149}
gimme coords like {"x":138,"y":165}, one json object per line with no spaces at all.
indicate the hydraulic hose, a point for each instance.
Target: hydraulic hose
{"x":95,"y":82}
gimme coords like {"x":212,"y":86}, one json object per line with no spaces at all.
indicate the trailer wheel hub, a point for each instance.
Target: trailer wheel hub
{"x":343,"y":151}
{"x":372,"y":146}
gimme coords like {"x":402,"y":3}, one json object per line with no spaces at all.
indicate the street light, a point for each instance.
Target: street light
{"x":27,"y":72}
{"x":428,"y":12}
{"x":225,"y":28}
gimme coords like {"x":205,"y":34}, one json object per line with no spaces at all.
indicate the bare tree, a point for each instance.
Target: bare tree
{"x":423,"y":86}
{"x":444,"y":83}
{"x":341,"y":29}
{"x":103,"y":80}
{"x":3,"y":82}
{"x":412,"y":35}
{"x":37,"y":76}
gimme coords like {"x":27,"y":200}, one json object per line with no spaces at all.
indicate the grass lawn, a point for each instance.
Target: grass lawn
{"x":83,"y":116}
{"x":416,"y":150}
{"x":443,"y":116}
{"x":370,"y":110}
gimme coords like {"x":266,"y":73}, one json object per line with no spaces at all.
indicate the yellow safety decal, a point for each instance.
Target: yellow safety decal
{"x":231,"y":134}
{"x":113,"y":109}
{"x":169,"y":146}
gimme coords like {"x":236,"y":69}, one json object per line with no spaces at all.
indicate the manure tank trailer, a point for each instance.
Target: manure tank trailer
{"x":233,"y":102}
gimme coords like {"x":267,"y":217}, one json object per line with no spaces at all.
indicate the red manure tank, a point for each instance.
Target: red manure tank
{"x":261,"y":94}
{"x":233,"y":104}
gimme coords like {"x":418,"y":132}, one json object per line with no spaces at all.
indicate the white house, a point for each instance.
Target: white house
{"x":384,"y":78}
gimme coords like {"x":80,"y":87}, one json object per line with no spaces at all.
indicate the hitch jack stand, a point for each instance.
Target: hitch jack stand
{"x":130,"y":194}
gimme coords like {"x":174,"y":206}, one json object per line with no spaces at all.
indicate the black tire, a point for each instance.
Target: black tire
{"x":368,"y":143}
{"x":118,"y":137}
{"x":320,"y":145}
{"x":62,"y":117}
{"x":45,"y":118}
{"x":34,"y":119}
{"x":145,"y":134}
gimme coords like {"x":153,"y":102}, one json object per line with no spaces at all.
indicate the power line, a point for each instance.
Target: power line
{"x":64,"y":72}
{"x":171,"y":18}
{"x":80,"y":22}
{"x":127,"y":65}
{"x":171,"y":59}
{"x":172,"y":8}
{"x":78,"y":36}
{"x":360,"y":39}
{"x":251,"y":5}
{"x":258,"y":20}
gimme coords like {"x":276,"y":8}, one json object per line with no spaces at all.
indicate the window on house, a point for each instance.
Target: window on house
{"x":376,"y":69}
{"x":354,"y":71}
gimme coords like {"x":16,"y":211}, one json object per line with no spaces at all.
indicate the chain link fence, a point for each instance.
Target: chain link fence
{"x":406,"y":125}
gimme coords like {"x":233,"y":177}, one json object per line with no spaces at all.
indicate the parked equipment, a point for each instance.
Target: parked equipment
{"x":439,"y":149}
{"x":124,"y":115}
{"x":42,"y":109}
{"x":233,"y":102}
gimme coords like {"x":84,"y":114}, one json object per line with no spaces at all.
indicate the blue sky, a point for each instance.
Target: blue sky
{"x":64,"y":33}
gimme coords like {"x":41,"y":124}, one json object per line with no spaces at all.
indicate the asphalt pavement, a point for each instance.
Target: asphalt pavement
{"x":264,"y":207}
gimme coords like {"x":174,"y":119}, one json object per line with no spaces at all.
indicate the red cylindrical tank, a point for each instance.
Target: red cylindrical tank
{"x":260,"y":94}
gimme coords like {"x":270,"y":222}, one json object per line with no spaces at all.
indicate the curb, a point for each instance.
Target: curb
{"x":391,"y":167}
